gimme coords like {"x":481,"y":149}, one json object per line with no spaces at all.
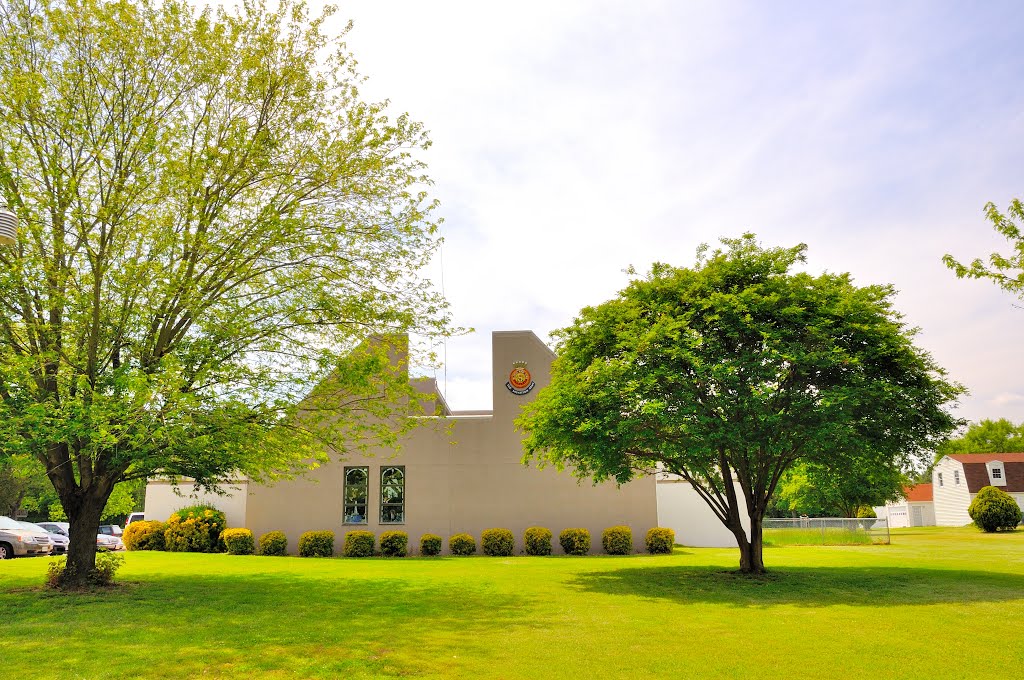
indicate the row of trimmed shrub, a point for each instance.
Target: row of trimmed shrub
{"x":202,"y":529}
{"x":493,"y":542}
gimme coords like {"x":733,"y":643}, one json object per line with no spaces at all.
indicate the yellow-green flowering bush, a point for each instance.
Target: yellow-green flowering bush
{"x":617,"y":540}
{"x":537,"y":541}
{"x":274,"y":543}
{"x":497,"y":542}
{"x":316,"y":544}
{"x":430,"y":545}
{"x":462,"y":544}
{"x":575,"y":541}
{"x":394,"y":543}
{"x":144,"y":535}
{"x":194,"y":529}
{"x":238,"y":541}
{"x":359,"y":543}
{"x":660,"y":541}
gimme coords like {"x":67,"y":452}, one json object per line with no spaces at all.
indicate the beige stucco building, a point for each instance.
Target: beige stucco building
{"x":458,"y":473}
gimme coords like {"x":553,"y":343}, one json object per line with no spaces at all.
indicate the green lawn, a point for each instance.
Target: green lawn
{"x":936,"y":603}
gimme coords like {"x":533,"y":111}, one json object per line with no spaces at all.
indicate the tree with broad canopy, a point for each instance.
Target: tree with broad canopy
{"x":732,"y":371}
{"x":212,"y":220}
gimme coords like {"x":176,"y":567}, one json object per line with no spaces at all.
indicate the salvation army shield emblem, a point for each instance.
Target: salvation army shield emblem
{"x":519,"y":379}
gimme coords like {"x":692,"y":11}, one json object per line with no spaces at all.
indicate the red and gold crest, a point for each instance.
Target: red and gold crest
{"x":519,"y":379}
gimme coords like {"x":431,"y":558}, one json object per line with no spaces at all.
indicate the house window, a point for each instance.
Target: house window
{"x":356,"y":493}
{"x":392,"y":495}
{"x":997,"y":473}
{"x":940,"y":479}
{"x":956,"y":477}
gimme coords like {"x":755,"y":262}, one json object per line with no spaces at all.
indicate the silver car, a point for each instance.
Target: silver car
{"x":60,"y":541}
{"x":17,"y":540}
{"x":102,"y":540}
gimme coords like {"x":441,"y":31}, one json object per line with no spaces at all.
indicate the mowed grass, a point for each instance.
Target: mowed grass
{"x":936,"y":603}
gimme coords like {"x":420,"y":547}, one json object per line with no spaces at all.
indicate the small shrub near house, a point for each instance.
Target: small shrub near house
{"x":994,"y":510}
{"x":617,"y":540}
{"x":462,"y":545}
{"x":497,"y":542}
{"x":274,"y":544}
{"x":394,"y":543}
{"x":430,"y":545}
{"x":238,"y":541}
{"x":107,"y":564}
{"x":359,"y":543}
{"x":575,"y":541}
{"x":144,"y":535}
{"x":194,"y":529}
{"x":660,"y":540}
{"x":866,"y":512}
{"x":316,"y":544}
{"x":537,"y":541}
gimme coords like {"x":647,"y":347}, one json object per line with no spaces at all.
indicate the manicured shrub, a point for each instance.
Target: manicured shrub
{"x":238,"y":541}
{"x":430,"y":545}
{"x":994,"y":510}
{"x":194,"y":529}
{"x":359,"y":543}
{"x":107,"y":564}
{"x":617,"y":540}
{"x":316,"y":544}
{"x":462,"y":544}
{"x":660,"y":540}
{"x":274,"y":543}
{"x":497,"y":542}
{"x":575,"y":541}
{"x":394,"y":543}
{"x":537,"y":541}
{"x":866,"y":512}
{"x":144,"y":535}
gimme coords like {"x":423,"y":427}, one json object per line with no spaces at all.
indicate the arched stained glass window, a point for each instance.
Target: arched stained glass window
{"x":392,"y":495}
{"x":357,"y":481}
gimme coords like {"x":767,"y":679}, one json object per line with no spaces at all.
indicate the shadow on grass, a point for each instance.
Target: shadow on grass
{"x":324,"y":626}
{"x":805,"y":586}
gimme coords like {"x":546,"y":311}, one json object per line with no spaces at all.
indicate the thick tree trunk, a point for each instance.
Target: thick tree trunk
{"x":752,"y":562}
{"x":84,"y":518}
{"x":751,"y":546}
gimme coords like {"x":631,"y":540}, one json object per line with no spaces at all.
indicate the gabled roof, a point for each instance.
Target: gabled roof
{"x":919,"y":492}
{"x":976,"y":472}
{"x":987,"y":457}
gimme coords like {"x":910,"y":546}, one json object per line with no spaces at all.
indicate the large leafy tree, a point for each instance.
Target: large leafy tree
{"x":986,"y":436}
{"x":1007,"y":271}
{"x":828,"y":490}
{"x":730,"y":372}
{"x":211,"y":220}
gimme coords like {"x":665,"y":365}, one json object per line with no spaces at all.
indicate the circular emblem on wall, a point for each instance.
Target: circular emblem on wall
{"x":519,"y":379}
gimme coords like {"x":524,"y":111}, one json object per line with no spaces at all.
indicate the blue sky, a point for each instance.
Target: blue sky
{"x":574,"y":139}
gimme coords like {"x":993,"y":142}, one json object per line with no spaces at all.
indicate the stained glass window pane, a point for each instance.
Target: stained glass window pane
{"x":355,"y":494}
{"x":392,"y":495}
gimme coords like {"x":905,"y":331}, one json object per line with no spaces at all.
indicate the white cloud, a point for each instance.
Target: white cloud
{"x":572,"y":139}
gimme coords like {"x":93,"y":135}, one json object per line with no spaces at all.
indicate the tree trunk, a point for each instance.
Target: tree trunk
{"x":752,"y":560}
{"x":84,"y":518}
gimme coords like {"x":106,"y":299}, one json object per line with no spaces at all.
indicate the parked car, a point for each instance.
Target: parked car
{"x":59,"y":540}
{"x":104,"y":541}
{"x":17,"y":540}
{"x":111,"y":530}
{"x":134,"y":517}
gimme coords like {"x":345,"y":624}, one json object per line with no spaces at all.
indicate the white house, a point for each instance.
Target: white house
{"x":958,"y":477}
{"x":915,"y":509}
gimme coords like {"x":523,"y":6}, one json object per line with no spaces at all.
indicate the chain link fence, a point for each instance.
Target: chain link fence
{"x":825,"y":531}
